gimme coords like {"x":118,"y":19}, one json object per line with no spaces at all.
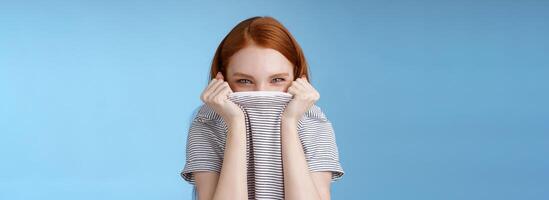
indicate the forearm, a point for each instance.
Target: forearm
{"x":298,"y":183}
{"x":232,"y":182}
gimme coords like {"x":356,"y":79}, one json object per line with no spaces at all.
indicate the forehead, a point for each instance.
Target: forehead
{"x":258,"y":61}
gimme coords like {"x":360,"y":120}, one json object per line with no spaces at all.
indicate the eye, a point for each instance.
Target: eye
{"x":278,"y":80}
{"x":244,"y":81}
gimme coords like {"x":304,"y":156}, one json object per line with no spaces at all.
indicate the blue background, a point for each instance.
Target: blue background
{"x":429,"y":99}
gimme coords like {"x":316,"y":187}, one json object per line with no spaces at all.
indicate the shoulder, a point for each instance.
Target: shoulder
{"x":315,"y":113}
{"x":207,"y":113}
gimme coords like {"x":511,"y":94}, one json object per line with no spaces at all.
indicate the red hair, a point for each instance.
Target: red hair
{"x":265,"y":32}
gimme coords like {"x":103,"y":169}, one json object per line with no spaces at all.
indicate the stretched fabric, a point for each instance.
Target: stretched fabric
{"x":262,"y":110}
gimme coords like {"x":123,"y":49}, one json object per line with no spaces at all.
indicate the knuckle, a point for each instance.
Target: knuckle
{"x":218,"y":101}
{"x":204,"y":97}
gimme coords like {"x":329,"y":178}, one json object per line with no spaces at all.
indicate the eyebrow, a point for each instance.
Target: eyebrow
{"x":249,"y":76}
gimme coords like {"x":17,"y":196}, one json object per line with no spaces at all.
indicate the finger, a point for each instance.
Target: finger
{"x":302,"y":82}
{"x":212,"y":82}
{"x":220,"y":87}
{"x":222,"y":93}
{"x":211,"y":90}
{"x":206,"y":92}
{"x":230,"y":89}
{"x":299,"y":85}
{"x":307,"y":83}
{"x":298,"y":88}
{"x":229,"y":86}
{"x":303,"y":77}
{"x":292,"y":90}
{"x":219,"y":76}
{"x":307,"y":90}
{"x":309,"y":87}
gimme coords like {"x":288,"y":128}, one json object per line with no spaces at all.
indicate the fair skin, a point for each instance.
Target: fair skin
{"x":254,"y":68}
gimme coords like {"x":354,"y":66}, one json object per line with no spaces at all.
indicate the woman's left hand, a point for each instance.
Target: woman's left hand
{"x":304,"y":96}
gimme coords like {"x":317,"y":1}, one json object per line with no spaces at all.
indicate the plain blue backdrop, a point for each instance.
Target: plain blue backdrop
{"x":429,"y":99}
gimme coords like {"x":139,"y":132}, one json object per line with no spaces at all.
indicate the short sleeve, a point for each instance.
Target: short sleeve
{"x":319,"y":143}
{"x":205,"y":146}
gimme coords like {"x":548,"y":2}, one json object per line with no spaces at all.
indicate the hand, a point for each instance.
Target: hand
{"x":304,"y":96}
{"x":216,"y":96}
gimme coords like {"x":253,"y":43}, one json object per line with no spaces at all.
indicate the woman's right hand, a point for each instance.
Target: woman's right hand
{"x":216,"y":96}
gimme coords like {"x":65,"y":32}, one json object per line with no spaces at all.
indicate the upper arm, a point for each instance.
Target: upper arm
{"x":322,"y":181}
{"x":206,"y":182}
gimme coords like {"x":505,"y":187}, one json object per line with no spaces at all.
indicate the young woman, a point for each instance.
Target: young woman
{"x":260,"y":54}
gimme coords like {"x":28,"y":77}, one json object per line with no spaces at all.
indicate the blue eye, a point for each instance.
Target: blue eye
{"x":279,"y":79}
{"x":243,"y":81}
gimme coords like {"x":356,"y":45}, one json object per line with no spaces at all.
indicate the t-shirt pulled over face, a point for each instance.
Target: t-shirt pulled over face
{"x":262,"y":111}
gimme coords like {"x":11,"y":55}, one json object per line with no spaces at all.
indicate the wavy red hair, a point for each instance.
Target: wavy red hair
{"x":265,"y":32}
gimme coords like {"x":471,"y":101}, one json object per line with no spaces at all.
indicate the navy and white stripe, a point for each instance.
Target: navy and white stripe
{"x":262,"y":109}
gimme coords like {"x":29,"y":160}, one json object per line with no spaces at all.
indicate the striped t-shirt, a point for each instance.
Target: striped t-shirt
{"x":262,"y":110}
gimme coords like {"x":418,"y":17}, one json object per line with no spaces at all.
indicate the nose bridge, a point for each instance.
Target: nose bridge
{"x":261,"y":86}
